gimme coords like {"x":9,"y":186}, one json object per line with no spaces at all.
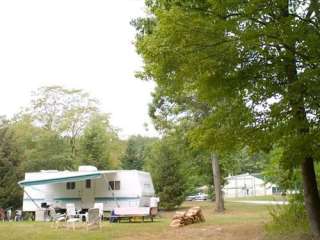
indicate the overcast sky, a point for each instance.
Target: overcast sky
{"x":76,"y":44}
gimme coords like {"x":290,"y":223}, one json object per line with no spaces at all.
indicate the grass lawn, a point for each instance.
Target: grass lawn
{"x":240,"y":221}
{"x":260,"y":198}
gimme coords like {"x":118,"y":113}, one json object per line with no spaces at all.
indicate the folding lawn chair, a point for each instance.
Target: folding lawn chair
{"x":56,"y":218}
{"x":72,"y":216}
{"x":94,"y":218}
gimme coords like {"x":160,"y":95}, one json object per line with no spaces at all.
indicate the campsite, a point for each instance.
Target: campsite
{"x":160,"y":119}
{"x":241,"y":221}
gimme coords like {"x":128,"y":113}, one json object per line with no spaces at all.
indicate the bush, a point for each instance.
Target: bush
{"x":289,"y":220}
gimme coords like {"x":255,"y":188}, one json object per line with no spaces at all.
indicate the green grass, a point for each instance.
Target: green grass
{"x":260,"y":198}
{"x":41,"y":231}
{"x":236,"y":214}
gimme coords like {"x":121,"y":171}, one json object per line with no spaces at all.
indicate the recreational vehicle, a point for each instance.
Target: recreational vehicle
{"x":85,"y":187}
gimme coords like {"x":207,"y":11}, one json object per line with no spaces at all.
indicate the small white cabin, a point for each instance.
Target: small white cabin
{"x":118,"y":188}
{"x":244,"y":185}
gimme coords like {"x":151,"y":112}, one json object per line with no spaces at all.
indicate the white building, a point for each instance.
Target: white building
{"x":248,"y":185}
{"x":118,"y":188}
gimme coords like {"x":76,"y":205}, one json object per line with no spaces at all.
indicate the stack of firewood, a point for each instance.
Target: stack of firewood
{"x":192,"y":215}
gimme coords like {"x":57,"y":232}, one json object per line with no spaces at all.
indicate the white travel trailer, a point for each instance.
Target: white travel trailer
{"x":85,"y":187}
{"x":248,"y":185}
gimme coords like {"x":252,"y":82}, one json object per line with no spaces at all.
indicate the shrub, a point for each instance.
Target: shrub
{"x":289,"y":220}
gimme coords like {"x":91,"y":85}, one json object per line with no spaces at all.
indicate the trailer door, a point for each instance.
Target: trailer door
{"x":87,"y":194}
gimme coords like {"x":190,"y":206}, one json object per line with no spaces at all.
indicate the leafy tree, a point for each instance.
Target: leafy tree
{"x":244,"y":161}
{"x":10,"y":171}
{"x":255,"y":63}
{"x":66,"y":111}
{"x":165,"y":167}
{"x":42,"y":148}
{"x":50,"y":151}
{"x":135,"y":153}
{"x":196,"y":168}
{"x":118,"y":148}
{"x":96,"y":142}
{"x":275,"y":172}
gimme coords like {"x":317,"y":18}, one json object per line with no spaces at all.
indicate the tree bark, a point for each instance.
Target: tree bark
{"x":302,"y":129}
{"x":217,"y":183}
{"x":311,"y":195}
{"x":310,"y":189}
{"x":73,"y":148}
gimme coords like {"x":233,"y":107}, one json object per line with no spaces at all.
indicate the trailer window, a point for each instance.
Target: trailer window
{"x":111,"y":185}
{"x":117,"y":185}
{"x":88,"y":183}
{"x":71,"y":185}
{"x":114,"y":185}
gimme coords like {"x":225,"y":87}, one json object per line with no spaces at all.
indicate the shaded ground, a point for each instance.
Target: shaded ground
{"x":241,"y":221}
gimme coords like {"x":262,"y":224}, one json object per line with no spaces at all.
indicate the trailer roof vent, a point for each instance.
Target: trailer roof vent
{"x":87,"y":169}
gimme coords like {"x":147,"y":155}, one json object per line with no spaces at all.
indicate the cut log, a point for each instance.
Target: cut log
{"x":191,"y":216}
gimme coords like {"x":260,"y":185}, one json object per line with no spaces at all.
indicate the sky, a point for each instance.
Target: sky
{"x":82,"y":44}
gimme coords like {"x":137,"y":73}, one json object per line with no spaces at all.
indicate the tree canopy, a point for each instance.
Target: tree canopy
{"x":96,"y":142}
{"x":255,"y":64}
{"x":137,"y":150}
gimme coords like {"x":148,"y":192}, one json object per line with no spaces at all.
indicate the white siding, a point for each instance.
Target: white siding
{"x":246,"y":185}
{"x":136,"y":188}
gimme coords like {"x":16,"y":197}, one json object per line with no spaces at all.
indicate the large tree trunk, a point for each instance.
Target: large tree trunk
{"x":311,"y":195}
{"x":217,"y":183}
{"x":302,"y":129}
{"x":310,"y":189}
{"x":301,"y":124}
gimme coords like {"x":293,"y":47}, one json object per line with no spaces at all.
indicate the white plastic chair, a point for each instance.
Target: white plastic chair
{"x":71,"y":210}
{"x":94,"y":218}
{"x":100,"y":207}
{"x":72,"y":215}
{"x":56,"y":218}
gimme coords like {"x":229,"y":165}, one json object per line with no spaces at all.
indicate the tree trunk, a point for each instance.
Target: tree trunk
{"x":310,"y":189}
{"x":311,"y":196}
{"x":302,"y":127}
{"x":217,"y":183}
{"x":73,"y":148}
{"x":301,"y":124}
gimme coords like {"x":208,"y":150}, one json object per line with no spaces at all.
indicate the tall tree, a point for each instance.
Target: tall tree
{"x":42,"y":148}
{"x":66,"y":111}
{"x":49,"y":151}
{"x":217,"y":183}
{"x":136,"y":151}
{"x":164,"y":163}
{"x":96,"y":142}
{"x":10,"y":168}
{"x":256,"y":63}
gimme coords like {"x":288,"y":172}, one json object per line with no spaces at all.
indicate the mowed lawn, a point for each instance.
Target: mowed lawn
{"x":260,"y":198}
{"x":240,"y":221}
